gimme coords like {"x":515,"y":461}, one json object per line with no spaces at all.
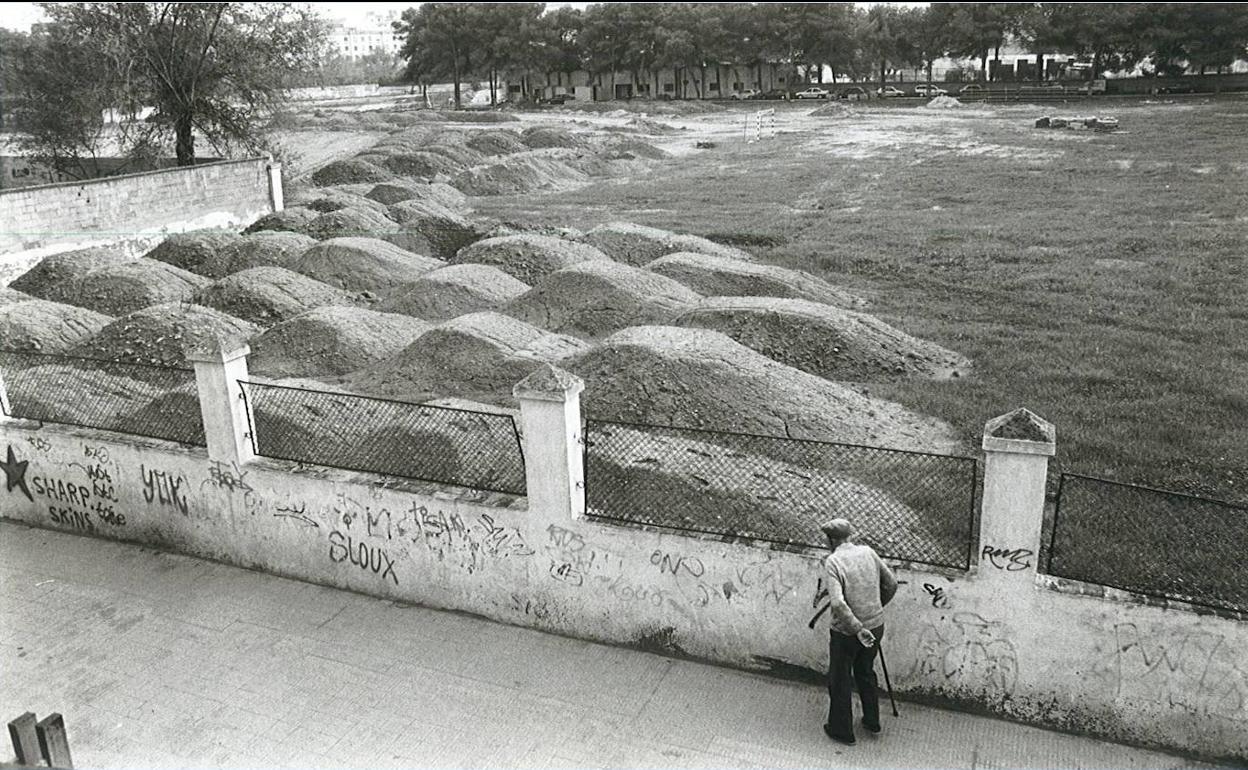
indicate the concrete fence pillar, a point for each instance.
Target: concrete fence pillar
{"x":1017,"y":448}
{"x":276,"y":196}
{"x":550,"y":417}
{"x":6,"y":410}
{"x":219,"y":366}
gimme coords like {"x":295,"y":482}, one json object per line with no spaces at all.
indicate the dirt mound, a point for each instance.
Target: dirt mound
{"x":720,"y":277}
{"x":542,"y":137}
{"x":628,"y":149}
{"x":345,"y":223}
{"x":428,"y":227}
{"x":645,"y":125}
{"x":593,"y":299}
{"x":495,"y":142}
{"x":449,"y":147}
{"x":478,"y":356}
{"x":699,"y":245}
{"x":943,"y":103}
{"x":155,"y":335}
{"x":455,"y":290}
{"x":824,"y":340}
{"x":335,"y":198}
{"x":643,"y":107}
{"x":629,"y":243}
{"x":422,"y":164}
{"x":55,"y":278}
{"x":267,"y":248}
{"x":269,"y":295}
{"x":77,"y":394}
{"x":47,"y":327}
{"x":528,"y":256}
{"x":331,"y":341}
{"x":294,"y":220}
{"x":129,"y":286}
{"x":389,"y":193}
{"x":349,"y":171}
{"x":192,"y":250}
{"x":833,"y":110}
{"x":664,"y":375}
{"x":520,"y":173}
{"x":363,"y":264}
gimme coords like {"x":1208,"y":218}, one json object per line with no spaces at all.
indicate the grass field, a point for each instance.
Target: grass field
{"x":1098,"y":279}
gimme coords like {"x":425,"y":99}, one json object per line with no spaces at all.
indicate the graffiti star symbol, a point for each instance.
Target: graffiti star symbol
{"x":15,"y":475}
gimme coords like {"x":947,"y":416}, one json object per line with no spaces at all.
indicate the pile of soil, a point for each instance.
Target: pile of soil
{"x":663,"y":375}
{"x":721,"y":277}
{"x":495,"y":142}
{"x":629,"y":243}
{"x":428,"y":227}
{"x":594,"y":299}
{"x":520,"y":173}
{"x":629,"y":149}
{"x":480,"y":356}
{"x":156,"y":335}
{"x":12,"y":296}
{"x":751,"y":495}
{"x":350,"y":222}
{"x":824,"y":340}
{"x":267,"y":248}
{"x":335,"y":198}
{"x":363,"y":264}
{"x":452,"y":146}
{"x":80,"y":395}
{"x":269,"y":295}
{"x":699,"y":245}
{"x":330,"y":341}
{"x":389,"y":193}
{"x":943,"y":103}
{"x":455,"y":290}
{"x":645,"y":125}
{"x":644,"y":107}
{"x":422,"y":164}
{"x":193,"y":250}
{"x":129,"y":286}
{"x":833,"y":110}
{"x":294,"y":219}
{"x":177,"y":413}
{"x":349,"y":171}
{"x":543,"y":137}
{"x":55,"y":278}
{"x":47,"y":327}
{"x":528,"y":256}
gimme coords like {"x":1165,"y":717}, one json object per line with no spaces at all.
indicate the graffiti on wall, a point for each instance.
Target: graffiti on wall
{"x":162,"y":488}
{"x":368,"y":557}
{"x":15,"y":474}
{"x":968,"y":651}
{"x":1008,"y":559}
{"x":1194,"y":671}
{"x":75,"y":503}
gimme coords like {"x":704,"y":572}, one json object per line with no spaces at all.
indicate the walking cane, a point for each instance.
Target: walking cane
{"x":887,"y":681}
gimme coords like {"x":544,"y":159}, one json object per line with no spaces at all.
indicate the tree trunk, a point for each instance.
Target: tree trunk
{"x":1040,"y":68}
{"x":1096,"y":64}
{"x":455,"y":74}
{"x":929,"y":73}
{"x":883,"y":64}
{"x":983,"y":67}
{"x":185,"y":139}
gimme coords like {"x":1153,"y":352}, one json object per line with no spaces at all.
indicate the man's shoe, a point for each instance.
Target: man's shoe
{"x":870,"y":727}
{"x":847,"y":740}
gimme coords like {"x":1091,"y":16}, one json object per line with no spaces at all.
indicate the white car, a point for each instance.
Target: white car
{"x":926,"y":90}
{"x":748,"y":93}
{"x":889,"y":91}
{"x":813,"y":92}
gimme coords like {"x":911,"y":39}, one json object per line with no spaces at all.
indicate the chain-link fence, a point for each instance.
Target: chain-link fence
{"x":907,"y":505}
{"x":141,"y":399}
{"x":1150,"y":541}
{"x":478,"y":450}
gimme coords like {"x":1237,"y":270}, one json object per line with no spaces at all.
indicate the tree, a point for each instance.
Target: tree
{"x":439,"y":39}
{"x":975,"y":29}
{"x":213,"y":69}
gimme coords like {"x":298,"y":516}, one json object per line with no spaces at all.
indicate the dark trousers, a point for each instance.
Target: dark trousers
{"x":850,"y":663}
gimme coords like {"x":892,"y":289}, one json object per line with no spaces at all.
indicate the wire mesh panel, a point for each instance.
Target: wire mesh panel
{"x":140,"y":399}
{"x":1150,"y":541}
{"x":478,"y":450}
{"x":907,"y":505}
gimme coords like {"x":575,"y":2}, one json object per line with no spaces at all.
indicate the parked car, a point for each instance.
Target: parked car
{"x":973,"y":89}
{"x":926,"y":90}
{"x":749,"y":93}
{"x":814,"y":92}
{"x":775,"y":93}
{"x":889,"y":91}
{"x":854,"y":93}
{"x":560,"y":99}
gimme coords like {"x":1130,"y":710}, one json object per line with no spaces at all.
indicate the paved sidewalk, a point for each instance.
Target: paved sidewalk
{"x":158,"y":660}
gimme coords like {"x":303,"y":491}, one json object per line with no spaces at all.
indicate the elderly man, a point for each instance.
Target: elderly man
{"x":859,"y":585}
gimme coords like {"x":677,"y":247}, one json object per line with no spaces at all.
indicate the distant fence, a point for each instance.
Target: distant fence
{"x":1150,"y":541}
{"x":142,"y":399}
{"x":912,"y":506}
{"x":478,"y":450}
{"x":760,"y":125}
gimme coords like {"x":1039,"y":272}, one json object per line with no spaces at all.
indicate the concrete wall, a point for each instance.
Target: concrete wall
{"x":1000,"y":638}
{"x":133,"y":208}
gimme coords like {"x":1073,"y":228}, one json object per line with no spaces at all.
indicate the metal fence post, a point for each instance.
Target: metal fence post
{"x":219,"y":366}
{"x":550,"y":416}
{"x":1017,"y":448}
